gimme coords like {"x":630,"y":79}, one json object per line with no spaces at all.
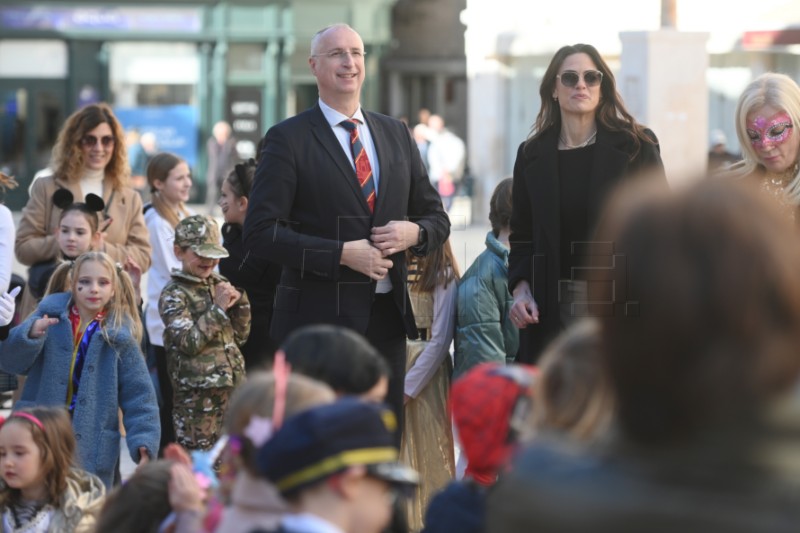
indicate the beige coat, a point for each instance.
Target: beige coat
{"x":127,"y":234}
{"x":80,"y":504}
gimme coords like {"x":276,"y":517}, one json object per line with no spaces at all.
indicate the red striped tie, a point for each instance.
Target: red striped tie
{"x":363,"y":168}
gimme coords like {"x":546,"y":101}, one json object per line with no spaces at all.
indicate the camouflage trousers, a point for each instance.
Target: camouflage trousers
{"x":197,"y":416}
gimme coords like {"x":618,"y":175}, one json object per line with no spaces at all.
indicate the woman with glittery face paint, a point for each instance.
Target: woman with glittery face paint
{"x":766,"y":118}
{"x":582,"y":145}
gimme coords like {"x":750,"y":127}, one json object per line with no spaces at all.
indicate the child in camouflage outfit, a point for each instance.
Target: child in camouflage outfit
{"x":206,"y":320}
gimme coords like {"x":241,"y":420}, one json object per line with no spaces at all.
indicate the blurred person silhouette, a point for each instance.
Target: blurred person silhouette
{"x":423,"y":116}
{"x":161,"y":496}
{"x":719,"y":158}
{"x":340,"y":358}
{"x":492,"y":409}
{"x":256,"y":408}
{"x":766,"y":114}
{"x":348,"y":364}
{"x":427,"y":441}
{"x":700,"y":346}
{"x":420,"y":134}
{"x":484,"y":331}
{"x":337,"y":467}
{"x":446,"y":159}
{"x":222,"y":156}
{"x":573,"y":396}
{"x":583,"y":143}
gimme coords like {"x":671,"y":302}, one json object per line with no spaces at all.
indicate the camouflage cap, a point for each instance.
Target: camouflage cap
{"x":201,"y":235}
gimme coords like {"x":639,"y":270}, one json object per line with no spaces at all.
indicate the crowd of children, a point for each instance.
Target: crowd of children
{"x":673,"y":408}
{"x":81,"y":351}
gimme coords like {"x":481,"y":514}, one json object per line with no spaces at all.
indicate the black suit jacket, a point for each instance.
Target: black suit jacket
{"x":535,"y":222}
{"x":306,"y":203}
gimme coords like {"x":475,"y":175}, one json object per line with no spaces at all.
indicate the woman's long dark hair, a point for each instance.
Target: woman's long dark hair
{"x":610,"y":114}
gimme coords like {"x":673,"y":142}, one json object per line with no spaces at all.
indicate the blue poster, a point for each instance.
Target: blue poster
{"x":175,"y":128}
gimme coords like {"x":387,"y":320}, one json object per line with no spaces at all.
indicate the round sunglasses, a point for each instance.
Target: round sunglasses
{"x":89,"y":141}
{"x":570,"y":78}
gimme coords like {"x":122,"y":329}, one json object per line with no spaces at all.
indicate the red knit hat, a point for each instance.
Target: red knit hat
{"x":489,"y":404}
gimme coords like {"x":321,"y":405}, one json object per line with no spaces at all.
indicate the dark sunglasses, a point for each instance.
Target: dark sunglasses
{"x":570,"y":78}
{"x":88,"y":141}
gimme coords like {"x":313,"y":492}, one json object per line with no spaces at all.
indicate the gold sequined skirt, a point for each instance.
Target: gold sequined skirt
{"x":427,"y":443}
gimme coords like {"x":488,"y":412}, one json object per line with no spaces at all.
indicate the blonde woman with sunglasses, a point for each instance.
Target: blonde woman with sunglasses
{"x":89,"y":157}
{"x":582,"y":144}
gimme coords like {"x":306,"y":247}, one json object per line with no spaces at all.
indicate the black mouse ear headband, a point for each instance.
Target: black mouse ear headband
{"x":62,"y":198}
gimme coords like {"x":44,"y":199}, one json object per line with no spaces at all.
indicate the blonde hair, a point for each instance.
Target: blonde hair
{"x":122,"y":310}
{"x":56,"y":444}
{"x":256,"y":397}
{"x":573,"y":395}
{"x":781,"y":92}
{"x":60,"y":279}
{"x":158,"y":170}
{"x":67,"y":159}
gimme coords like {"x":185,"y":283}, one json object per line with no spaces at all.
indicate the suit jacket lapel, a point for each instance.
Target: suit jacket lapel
{"x":322,"y":132}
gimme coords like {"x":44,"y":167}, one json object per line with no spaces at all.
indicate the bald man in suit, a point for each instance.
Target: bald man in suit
{"x":342,"y":243}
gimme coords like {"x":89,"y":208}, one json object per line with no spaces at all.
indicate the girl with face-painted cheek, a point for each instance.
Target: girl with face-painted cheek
{"x":100,"y":372}
{"x":767,"y":114}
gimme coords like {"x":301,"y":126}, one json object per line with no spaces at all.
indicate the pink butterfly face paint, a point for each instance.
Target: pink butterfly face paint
{"x":774,"y":130}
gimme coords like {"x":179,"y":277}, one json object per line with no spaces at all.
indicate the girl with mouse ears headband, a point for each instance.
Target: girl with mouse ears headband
{"x":78,"y":231}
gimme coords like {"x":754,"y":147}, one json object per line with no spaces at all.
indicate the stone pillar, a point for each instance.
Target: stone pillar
{"x":396,"y":104}
{"x":440,"y":84}
{"x":663,"y":83}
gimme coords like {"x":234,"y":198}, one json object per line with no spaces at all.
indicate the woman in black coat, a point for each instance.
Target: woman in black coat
{"x":583,"y":144}
{"x":259,"y":278}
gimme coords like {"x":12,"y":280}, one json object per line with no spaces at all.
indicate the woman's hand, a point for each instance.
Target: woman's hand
{"x":524,"y":311}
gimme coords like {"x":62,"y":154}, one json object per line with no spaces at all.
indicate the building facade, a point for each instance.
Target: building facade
{"x":169,"y":68}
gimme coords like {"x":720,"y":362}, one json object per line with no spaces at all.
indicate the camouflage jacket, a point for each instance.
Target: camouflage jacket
{"x":200,"y":339}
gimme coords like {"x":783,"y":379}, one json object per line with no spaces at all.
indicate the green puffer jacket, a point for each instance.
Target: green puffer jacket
{"x":483,"y":331}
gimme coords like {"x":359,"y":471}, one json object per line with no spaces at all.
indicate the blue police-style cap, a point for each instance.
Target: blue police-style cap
{"x":327,"y":439}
